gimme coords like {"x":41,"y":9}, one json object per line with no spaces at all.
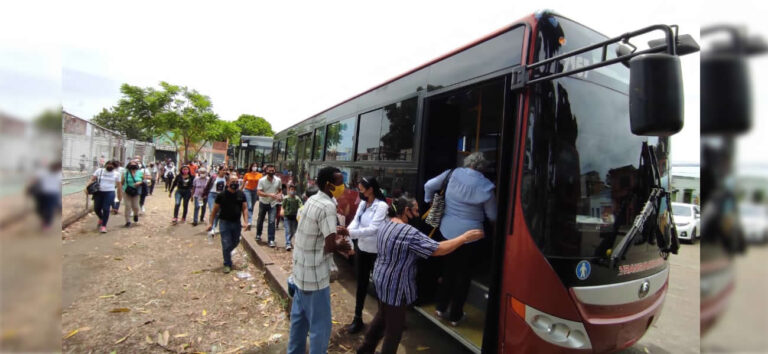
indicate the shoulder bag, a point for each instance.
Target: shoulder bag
{"x":93,"y":187}
{"x":436,"y":210}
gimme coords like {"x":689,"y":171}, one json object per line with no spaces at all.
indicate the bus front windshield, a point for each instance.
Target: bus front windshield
{"x":584,"y":176}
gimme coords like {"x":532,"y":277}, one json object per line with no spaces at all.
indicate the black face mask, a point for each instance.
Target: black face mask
{"x":233,"y":185}
{"x":110,"y":168}
{"x":270,"y":174}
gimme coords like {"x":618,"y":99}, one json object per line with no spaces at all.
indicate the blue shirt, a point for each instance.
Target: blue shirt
{"x":469,"y":199}
{"x":394,"y":273}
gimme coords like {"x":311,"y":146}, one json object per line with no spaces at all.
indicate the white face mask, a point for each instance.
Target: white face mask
{"x":254,"y":169}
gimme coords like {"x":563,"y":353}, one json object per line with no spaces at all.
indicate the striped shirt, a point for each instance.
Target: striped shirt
{"x":394,"y":275}
{"x":311,"y":265}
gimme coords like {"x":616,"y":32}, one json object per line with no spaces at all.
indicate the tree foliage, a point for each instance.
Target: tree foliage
{"x":181,"y":114}
{"x":49,"y":121}
{"x":253,"y":125}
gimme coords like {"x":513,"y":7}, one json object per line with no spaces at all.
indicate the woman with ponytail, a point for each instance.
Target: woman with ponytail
{"x":399,"y":246}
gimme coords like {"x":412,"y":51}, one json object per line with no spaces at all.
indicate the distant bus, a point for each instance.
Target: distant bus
{"x":546,"y":100}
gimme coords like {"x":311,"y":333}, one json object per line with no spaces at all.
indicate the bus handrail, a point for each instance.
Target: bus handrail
{"x":670,"y":48}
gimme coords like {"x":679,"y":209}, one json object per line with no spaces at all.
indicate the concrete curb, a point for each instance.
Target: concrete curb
{"x":276,"y":277}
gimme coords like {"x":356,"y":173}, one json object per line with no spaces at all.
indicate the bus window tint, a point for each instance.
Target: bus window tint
{"x":290,"y":148}
{"x":397,"y":130}
{"x":319,"y":144}
{"x":280,"y":150}
{"x":340,"y":138}
{"x":368,"y":136}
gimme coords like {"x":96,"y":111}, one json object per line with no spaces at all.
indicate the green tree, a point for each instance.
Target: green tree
{"x":49,"y":121}
{"x":253,"y":125}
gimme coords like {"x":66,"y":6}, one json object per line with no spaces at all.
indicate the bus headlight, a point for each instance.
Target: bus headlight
{"x":555,"y":330}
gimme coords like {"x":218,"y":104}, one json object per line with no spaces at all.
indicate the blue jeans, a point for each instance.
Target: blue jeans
{"x":230,"y":238}
{"x":252,"y":198}
{"x":264,"y":209}
{"x":198,"y":207}
{"x":102,"y":202}
{"x":310,"y":314}
{"x":291,"y":224}
{"x":211,"y":201}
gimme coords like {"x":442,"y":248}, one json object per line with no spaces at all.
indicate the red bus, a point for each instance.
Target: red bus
{"x":579,"y":142}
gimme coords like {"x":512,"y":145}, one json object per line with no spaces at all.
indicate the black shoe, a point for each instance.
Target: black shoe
{"x":135,"y":218}
{"x":128,"y":224}
{"x":356,"y":326}
{"x":194,"y":223}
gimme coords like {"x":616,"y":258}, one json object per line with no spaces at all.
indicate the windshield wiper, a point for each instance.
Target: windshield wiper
{"x":649,"y":209}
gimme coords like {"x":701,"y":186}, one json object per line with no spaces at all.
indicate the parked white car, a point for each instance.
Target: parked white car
{"x":687,"y":220}
{"x":754,"y":222}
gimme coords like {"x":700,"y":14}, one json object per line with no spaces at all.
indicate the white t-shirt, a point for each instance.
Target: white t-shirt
{"x":270,"y":188}
{"x":50,"y":182}
{"x":108,"y":181}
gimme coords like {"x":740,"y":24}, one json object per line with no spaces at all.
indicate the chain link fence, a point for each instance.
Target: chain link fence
{"x":86,"y":147}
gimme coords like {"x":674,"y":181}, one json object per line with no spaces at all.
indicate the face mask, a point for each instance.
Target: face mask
{"x":362,"y":196}
{"x":338,"y":191}
{"x":291,"y":193}
{"x":254,"y":169}
{"x":270,"y":174}
{"x":110,"y":168}
{"x":233,"y":185}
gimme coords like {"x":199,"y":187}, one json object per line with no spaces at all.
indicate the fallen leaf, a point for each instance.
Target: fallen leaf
{"x":181,"y":335}
{"x":162,"y":292}
{"x":234,"y":350}
{"x":275,"y":337}
{"x":343,"y":347}
{"x":121,"y":309}
{"x":166,"y":336}
{"x":422,"y":348}
{"x":113,"y":352}
{"x":149,"y":340}
{"x":335,"y":322}
{"x":106,"y":296}
{"x":123,"y":339}
{"x":118,"y":258}
{"x":184,"y":346}
{"x":266,"y":324}
{"x":72,"y":333}
{"x":197,"y":272}
{"x":205,"y":313}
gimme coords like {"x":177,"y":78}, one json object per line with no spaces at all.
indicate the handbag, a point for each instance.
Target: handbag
{"x":436,"y":210}
{"x":129,"y":190}
{"x":94,"y":186}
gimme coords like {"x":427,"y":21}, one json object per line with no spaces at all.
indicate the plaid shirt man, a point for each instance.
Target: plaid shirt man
{"x":311,"y":265}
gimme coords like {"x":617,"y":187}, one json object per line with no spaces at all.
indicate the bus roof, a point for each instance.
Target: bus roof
{"x":527,"y":19}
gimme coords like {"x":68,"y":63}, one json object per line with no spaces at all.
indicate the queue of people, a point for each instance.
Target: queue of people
{"x":383,"y":235}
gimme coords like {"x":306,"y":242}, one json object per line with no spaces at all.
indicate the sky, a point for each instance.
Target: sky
{"x":284,"y":61}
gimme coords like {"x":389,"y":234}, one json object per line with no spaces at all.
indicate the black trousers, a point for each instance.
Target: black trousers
{"x":388,"y":323}
{"x":457,"y":273}
{"x":183,"y":196}
{"x":364,"y":262}
{"x":143,"y":195}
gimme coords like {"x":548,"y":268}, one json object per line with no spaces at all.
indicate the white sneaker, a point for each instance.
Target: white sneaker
{"x":142,"y":211}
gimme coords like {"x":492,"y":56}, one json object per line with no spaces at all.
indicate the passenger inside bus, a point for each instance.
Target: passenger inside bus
{"x":469,"y":200}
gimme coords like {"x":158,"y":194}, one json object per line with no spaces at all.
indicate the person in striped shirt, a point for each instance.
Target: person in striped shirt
{"x":400,"y":245}
{"x":316,"y":239}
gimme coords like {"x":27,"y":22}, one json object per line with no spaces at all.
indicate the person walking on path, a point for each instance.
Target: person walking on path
{"x":216,"y":185}
{"x":146,"y":174}
{"x":120,"y":174}
{"x":231,"y":205}
{"x":291,"y":205}
{"x":199,"y":197}
{"x":400,"y":245}
{"x":169,"y":176}
{"x":45,"y":188}
{"x":132,"y":186}
{"x":109,"y":182}
{"x":364,"y":228}
{"x":184,"y":181}
{"x":153,"y":170}
{"x":269,"y":189}
{"x":251,"y":180}
{"x":316,"y":240}
{"x":469,"y":200}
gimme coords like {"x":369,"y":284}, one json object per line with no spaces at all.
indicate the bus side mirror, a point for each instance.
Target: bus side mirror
{"x":725,"y":94}
{"x":655,"y":94}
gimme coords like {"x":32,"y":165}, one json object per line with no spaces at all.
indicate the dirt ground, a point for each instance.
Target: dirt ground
{"x":155,"y":287}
